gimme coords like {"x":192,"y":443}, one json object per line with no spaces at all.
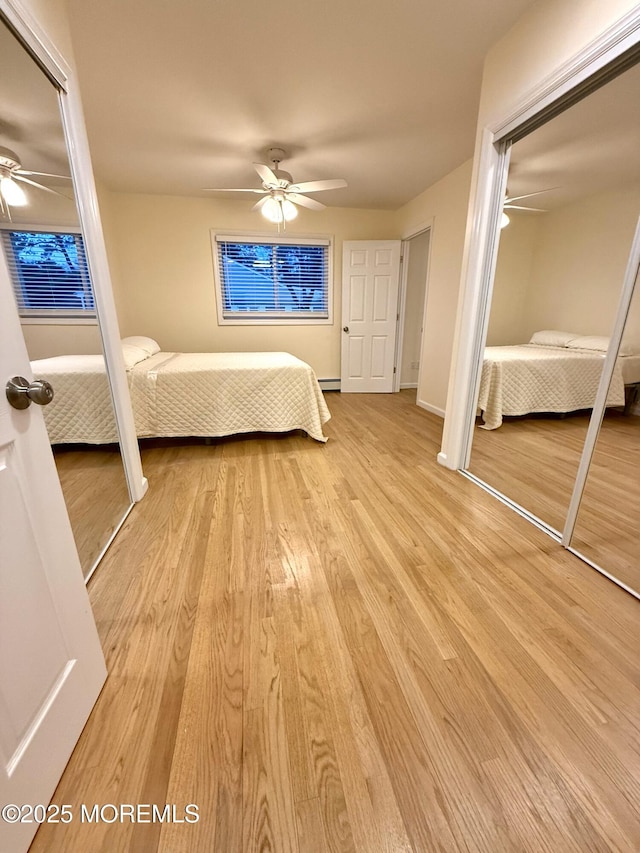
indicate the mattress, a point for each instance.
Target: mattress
{"x":185,"y":394}
{"x":519,"y":380}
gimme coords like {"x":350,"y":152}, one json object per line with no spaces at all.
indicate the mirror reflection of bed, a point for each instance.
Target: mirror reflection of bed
{"x":556,"y":289}
{"x":40,"y":235}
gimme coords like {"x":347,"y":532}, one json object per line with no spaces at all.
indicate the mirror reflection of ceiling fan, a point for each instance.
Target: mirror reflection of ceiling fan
{"x":281,"y":194}
{"x":509,"y":204}
{"x":12,"y":175}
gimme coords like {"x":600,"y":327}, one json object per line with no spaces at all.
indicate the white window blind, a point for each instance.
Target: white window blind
{"x":281,"y":278}
{"x":49,"y":273}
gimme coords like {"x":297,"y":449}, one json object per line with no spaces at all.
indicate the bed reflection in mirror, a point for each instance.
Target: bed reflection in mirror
{"x":608,"y":521}
{"x":42,"y":246}
{"x":558,"y":278}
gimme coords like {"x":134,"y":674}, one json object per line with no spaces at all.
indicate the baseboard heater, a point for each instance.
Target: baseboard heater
{"x":329,"y":384}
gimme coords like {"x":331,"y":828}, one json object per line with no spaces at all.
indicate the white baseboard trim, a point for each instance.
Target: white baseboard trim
{"x":329,"y":384}
{"x":433,"y":409}
{"x":442,"y":460}
{"x":408,"y":385}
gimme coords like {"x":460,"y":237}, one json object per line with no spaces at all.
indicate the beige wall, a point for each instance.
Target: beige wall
{"x":579,"y":263}
{"x":508,"y":322}
{"x":444,"y":205}
{"x":162,"y":265}
{"x":45,"y":341}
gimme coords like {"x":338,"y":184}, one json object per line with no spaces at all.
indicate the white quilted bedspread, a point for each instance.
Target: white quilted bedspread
{"x":186,"y":394}
{"x":223,"y":393}
{"x":81,"y":409}
{"x":518,"y":380}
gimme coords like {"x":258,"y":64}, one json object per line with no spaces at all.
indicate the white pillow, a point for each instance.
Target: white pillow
{"x":150,"y":346}
{"x":552,"y":338}
{"x":597,"y":343}
{"x":132,"y":355}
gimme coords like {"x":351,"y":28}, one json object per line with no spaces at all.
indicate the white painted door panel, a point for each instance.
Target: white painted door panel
{"x":370,"y":279}
{"x":51,"y":663}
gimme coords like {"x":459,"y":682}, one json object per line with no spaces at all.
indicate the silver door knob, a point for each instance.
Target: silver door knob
{"x":21,"y":393}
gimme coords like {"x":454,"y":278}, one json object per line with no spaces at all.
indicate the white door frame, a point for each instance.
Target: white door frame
{"x":405,"y":250}
{"x":38,"y":43}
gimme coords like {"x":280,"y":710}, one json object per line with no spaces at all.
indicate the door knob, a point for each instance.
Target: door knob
{"x":345,"y":329}
{"x":21,"y":393}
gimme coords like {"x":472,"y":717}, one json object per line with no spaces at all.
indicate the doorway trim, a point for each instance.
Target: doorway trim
{"x":428,"y":225}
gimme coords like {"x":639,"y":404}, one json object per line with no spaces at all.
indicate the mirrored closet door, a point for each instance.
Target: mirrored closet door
{"x":608,"y":520}
{"x":42,"y":244}
{"x":573,"y":200}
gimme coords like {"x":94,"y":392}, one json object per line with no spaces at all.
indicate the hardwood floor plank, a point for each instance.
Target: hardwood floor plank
{"x":310,"y":828}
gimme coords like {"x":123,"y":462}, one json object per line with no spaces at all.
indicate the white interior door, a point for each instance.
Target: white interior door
{"x":370,"y":278}
{"x":51,"y":663}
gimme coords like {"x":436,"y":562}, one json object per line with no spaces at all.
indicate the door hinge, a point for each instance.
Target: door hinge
{"x":394,"y":370}
{"x":397,"y":316}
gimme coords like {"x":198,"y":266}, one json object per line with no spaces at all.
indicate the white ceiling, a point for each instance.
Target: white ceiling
{"x":184,"y":95}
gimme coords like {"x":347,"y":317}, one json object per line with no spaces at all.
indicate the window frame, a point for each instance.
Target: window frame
{"x":268,"y":237}
{"x":51,"y":316}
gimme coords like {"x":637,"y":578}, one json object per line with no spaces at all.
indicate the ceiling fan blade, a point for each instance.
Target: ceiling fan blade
{"x":34,"y":184}
{"x":226,"y":190}
{"x":529,"y":195}
{"x":318,"y":186}
{"x":521,"y":207}
{"x":303,"y":201}
{"x":261,"y":203}
{"x":268,"y":177}
{"x":41,"y":174}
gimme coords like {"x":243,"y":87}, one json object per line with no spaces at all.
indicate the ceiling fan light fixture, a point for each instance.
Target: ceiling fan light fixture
{"x":504,"y":220}
{"x":11,"y":193}
{"x":279,"y":210}
{"x":289,"y":210}
{"x":272,"y":210}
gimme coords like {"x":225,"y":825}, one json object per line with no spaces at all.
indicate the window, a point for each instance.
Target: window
{"x":272,"y":279}
{"x":49,"y":273}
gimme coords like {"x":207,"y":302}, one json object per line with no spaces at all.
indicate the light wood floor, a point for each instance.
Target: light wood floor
{"x":95,"y":493}
{"x":534,"y":461}
{"x":348,"y":648}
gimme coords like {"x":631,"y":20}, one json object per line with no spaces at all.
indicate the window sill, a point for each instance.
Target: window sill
{"x":275,"y":321}
{"x":59,"y":321}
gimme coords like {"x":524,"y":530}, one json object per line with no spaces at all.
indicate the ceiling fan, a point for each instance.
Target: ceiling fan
{"x":280,"y":193}
{"x":12,"y":175}
{"x":509,"y":205}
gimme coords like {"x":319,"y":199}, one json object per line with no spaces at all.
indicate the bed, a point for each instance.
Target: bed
{"x":183,"y":394}
{"x":556,"y":372}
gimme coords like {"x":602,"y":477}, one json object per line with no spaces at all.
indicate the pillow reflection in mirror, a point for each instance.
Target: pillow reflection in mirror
{"x":597,"y":343}
{"x":552,"y":338}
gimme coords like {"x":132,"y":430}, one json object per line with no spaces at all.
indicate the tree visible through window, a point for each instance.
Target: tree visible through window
{"x":273,"y":279}
{"x":49,"y":272}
